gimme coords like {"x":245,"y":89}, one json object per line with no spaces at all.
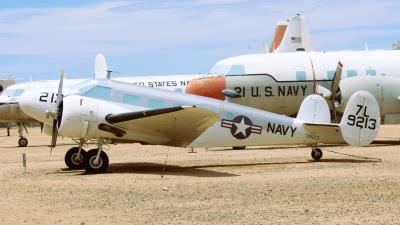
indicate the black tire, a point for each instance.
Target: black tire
{"x":239,"y":147}
{"x":71,"y":158}
{"x":316,"y":154}
{"x":23,"y":142}
{"x":91,"y":167}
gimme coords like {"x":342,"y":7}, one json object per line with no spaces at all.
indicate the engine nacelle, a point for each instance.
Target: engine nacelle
{"x":385,"y":89}
{"x":83,"y":117}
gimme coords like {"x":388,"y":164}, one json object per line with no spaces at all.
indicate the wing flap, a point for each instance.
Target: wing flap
{"x":181,"y":125}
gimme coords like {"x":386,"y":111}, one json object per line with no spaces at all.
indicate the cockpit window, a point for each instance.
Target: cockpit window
{"x":13,"y":92}
{"x":221,"y":69}
{"x":18,"y":92}
{"x":236,"y":70}
{"x":99,"y":92}
{"x":82,"y":86}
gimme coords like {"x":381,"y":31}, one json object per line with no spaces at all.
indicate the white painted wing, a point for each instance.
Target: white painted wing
{"x":182,"y":125}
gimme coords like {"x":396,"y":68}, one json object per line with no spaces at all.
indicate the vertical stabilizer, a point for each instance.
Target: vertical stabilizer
{"x":296,"y":37}
{"x":278,"y":36}
{"x":100,"y":67}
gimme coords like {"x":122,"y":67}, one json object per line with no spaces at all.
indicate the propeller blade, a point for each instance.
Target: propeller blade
{"x":53,"y":136}
{"x":60,"y":89}
{"x":314,"y":81}
{"x":336,"y":78}
{"x":323,"y":91}
{"x":56,"y":115}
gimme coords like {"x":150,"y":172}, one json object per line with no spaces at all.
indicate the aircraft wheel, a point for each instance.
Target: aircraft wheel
{"x":91,"y":166}
{"x":23,"y":142}
{"x":72,"y":160}
{"x":316,"y":154}
{"x":239,"y":147}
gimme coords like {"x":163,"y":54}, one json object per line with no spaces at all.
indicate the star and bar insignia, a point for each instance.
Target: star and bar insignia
{"x":241,"y":127}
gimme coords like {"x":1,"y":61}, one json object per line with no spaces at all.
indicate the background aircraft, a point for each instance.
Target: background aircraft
{"x":110,"y":111}
{"x":292,"y":35}
{"x":280,"y":82}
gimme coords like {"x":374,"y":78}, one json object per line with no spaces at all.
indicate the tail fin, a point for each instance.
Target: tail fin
{"x":361,"y":119}
{"x":296,"y":37}
{"x":314,"y":109}
{"x":100,"y":67}
{"x":278,"y":36}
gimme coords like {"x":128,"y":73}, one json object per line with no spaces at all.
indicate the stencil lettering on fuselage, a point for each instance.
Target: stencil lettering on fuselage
{"x":272,"y":91}
{"x":281,"y":129}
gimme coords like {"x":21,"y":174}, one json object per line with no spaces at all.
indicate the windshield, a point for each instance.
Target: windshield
{"x":220,"y":69}
{"x":13,"y":92}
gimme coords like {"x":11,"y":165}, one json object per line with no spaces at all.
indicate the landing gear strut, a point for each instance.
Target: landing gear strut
{"x":316,"y":153}
{"x":22,"y":142}
{"x":96,"y":160}
{"x":74,"y":158}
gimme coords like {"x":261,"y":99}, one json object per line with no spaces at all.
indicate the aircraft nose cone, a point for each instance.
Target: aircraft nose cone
{"x":208,"y":87}
{"x":25,"y":102}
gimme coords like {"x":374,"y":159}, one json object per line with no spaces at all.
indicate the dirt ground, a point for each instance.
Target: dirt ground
{"x":263,"y":185}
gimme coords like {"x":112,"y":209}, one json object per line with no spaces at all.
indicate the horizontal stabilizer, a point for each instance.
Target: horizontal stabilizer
{"x":181,"y":125}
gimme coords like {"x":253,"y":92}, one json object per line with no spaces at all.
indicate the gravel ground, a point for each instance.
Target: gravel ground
{"x":260,"y":185}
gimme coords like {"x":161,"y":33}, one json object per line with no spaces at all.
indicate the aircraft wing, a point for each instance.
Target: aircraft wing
{"x":181,"y":125}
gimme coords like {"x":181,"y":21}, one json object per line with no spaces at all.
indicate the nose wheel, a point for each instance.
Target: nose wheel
{"x":316,"y":153}
{"x":75,"y":159}
{"x":23,"y":142}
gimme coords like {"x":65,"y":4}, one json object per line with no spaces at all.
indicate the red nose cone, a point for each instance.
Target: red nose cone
{"x":208,"y":87}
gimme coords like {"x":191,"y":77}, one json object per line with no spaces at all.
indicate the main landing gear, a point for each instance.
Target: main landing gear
{"x":74,"y":158}
{"x":316,"y":153}
{"x":93,"y":161}
{"x":23,"y":141}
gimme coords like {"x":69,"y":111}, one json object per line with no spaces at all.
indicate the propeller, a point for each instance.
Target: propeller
{"x":56,"y":114}
{"x":333,"y":96}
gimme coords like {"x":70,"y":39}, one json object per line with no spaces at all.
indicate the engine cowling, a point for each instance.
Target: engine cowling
{"x":83,"y":117}
{"x":385,"y":89}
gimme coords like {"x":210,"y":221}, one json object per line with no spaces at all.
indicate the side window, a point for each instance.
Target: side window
{"x":99,"y":92}
{"x":155,"y":104}
{"x":131,"y":99}
{"x":301,"y":75}
{"x":351,"y":73}
{"x":371,"y":72}
{"x":330,"y":74}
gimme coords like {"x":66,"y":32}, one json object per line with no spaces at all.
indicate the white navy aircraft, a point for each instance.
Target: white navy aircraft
{"x":280,"y":82}
{"x":11,"y":112}
{"x":112,"y":111}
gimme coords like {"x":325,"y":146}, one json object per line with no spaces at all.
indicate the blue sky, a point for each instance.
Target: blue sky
{"x":38,"y":38}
